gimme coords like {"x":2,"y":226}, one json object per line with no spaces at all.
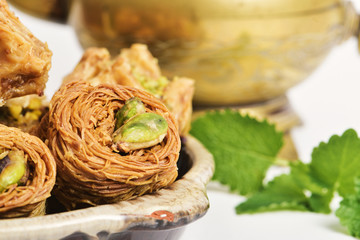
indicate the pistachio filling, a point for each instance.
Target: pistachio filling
{"x":13,"y":169}
{"x":154,"y":86}
{"x":23,"y":114}
{"x":132,"y":107}
{"x":140,"y":130}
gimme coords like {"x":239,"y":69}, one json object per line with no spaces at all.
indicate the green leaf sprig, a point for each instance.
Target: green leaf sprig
{"x":244,"y":149}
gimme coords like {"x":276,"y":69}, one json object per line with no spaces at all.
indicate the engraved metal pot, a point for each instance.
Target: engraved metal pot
{"x":238,"y":51}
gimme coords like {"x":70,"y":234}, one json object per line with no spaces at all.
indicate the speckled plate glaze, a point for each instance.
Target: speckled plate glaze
{"x":161,"y":215}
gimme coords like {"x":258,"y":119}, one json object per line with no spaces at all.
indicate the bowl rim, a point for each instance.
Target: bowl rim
{"x":181,"y":203}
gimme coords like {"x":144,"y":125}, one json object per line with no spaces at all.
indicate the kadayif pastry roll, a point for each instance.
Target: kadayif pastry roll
{"x":110,"y":142}
{"x":27,"y":176}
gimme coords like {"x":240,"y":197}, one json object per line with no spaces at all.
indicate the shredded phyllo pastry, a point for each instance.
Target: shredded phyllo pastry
{"x":27,"y":173}
{"x":136,"y":67}
{"x":25,"y":61}
{"x":110,"y":142}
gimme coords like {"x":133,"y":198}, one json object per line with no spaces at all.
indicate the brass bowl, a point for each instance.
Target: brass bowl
{"x":237,"y":51}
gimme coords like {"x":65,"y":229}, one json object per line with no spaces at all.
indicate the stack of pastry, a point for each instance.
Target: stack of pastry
{"x":27,"y":167}
{"x":136,"y":67}
{"x":113,"y":129}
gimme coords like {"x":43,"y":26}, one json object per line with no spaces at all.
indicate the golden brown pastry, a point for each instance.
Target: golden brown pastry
{"x":110,"y":142}
{"x":136,"y":67}
{"x":27,"y":176}
{"x":24,"y":60}
{"x":178,"y":95}
{"x":97,"y":66}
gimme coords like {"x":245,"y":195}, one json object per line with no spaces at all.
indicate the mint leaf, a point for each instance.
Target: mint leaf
{"x":243,"y":148}
{"x":337,"y":163}
{"x":301,"y":174}
{"x":280,"y":194}
{"x":320,"y":195}
{"x":333,"y":168}
{"x":321,"y":203}
{"x":349,"y":211}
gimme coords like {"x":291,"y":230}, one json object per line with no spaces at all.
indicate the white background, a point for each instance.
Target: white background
{"x":328,"y":102}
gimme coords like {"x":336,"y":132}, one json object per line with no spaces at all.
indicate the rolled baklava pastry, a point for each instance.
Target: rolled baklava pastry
{"x":110,"y":142}
{"x":28,"y":173}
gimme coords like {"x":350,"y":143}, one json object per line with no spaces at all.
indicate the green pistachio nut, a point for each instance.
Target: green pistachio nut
{"x":13,"y":169}
{"x":141,"y":131}
{"x":133,"y":106}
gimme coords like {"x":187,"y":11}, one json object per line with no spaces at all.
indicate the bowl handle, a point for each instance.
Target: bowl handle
{"x":351,"y":23}
{"x":357,"y":32}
